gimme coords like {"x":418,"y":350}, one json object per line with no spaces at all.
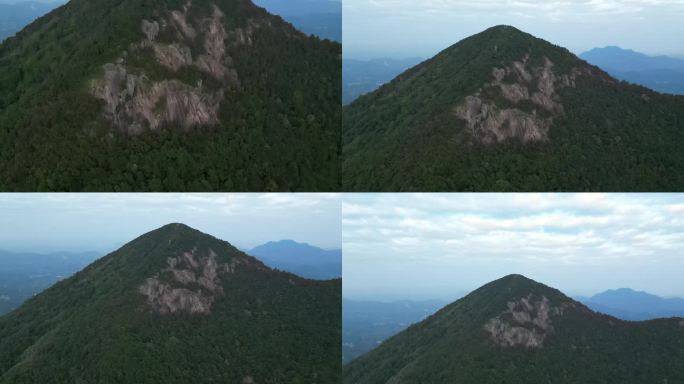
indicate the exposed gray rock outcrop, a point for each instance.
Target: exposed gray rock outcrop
{"x":526,"y":323}
{"x":174,"y":56}
{"x":134,"y":104}
{"x":189,"y":284}
{"x":489,"y":123}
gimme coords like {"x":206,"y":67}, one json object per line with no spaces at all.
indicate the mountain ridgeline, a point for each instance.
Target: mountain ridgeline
{"x":661,"y":73}
{"x":168,"y":95}
{"x":176,"y":306}
{"x":514,"y":330}
{"x":505,"y":111}
{"x":301,"y":259}
{"x":627,"y":304}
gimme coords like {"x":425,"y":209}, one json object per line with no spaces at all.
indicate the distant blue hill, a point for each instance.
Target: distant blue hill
{"x":322,"y":18}
{"x":301,"y":259}
{"x":660,"y":73}
{"x":628,"y":304}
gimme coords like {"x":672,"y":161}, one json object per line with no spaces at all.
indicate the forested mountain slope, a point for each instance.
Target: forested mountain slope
{"x":168,"y":95}
{"x":505,"y":111}
{"x":176,"y":306}
{"x":514,"y":330}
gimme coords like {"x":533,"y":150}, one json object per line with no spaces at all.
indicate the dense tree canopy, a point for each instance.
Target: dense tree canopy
{"x":612,"y":136}
{"x":454,"y":346}
{"x":267,"y":325}
{"x":278,"y":131}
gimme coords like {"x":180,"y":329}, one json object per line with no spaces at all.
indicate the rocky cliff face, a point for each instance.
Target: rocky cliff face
{"x":526,"y":323}
{"x":134,"y":103}
{"x":532,"y":98}
{"x":189,"y":284}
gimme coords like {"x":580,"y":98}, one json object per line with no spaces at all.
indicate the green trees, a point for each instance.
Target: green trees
{"x":96,"y":327}
{"x":453,"y":345}
{"x":52,"y":135}
{"x":612,"y":136}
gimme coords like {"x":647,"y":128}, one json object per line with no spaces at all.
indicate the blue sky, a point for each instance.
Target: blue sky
{"x":409,"y":28}
{"x":439,"y":246}
{"x":103,"y":222}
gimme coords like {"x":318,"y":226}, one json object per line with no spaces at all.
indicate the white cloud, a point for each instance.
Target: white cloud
{"x":409,"y":28}
{"x":96,"y":221}
{"x":511,"y":232}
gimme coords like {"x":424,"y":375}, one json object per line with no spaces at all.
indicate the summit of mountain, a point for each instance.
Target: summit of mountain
{"x":517,"y":330}
{"x":175,"y":305}
{"x":503,"y":110}
{"x":168,"y":95}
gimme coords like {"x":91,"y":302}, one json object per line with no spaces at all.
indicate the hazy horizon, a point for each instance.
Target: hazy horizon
{"x":440,"y":246}
{"x":404,"y":28}
{"x":45,"y":223}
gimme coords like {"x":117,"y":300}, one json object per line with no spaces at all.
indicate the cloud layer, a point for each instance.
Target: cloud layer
{"x":423,"y":27}
{"x":583,"y":243}
{"x":101,"y":221}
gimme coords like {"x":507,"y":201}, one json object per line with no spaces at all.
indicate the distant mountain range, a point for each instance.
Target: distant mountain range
{"x":321,"y":18}
{"x":659,"y":73}
{"x":503,"y":110}
{"x":628,"y":304}
{"x":176,"y":306}
{"x":23,"y":275}
{"x":366,"y":324}
{"x":362,"y":76}
{"x":515,"y":330}
{"x":301,"y":259}
{"x":15,"y":16}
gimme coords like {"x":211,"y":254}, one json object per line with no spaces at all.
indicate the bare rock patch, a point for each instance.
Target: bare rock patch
{"x":189,"y":284}
{"x":134,"y":104}
{"x":489,"y":123}
{"x":526,"y":323}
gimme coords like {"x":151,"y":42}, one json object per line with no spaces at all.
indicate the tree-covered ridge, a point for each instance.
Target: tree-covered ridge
{"x":515,"y":330}
{"x":604,"y":135}
{"x":278,"y":130}
{"x":263,"y":326}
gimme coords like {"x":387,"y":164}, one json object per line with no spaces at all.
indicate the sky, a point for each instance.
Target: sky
{"x":441,"y":246}
{"x":104,"y":222}
{"x":422,"y":28}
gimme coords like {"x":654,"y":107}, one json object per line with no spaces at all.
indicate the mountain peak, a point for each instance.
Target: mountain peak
{"x":178,"y":227}
{"x":181,"y":67}
{"x":500,"y":88}
{"x":175,"y":232}
{"x":178,"y":296}
{"x":516,"y":322}
{"x":516,"y":282}
{"x":503,"y":29}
